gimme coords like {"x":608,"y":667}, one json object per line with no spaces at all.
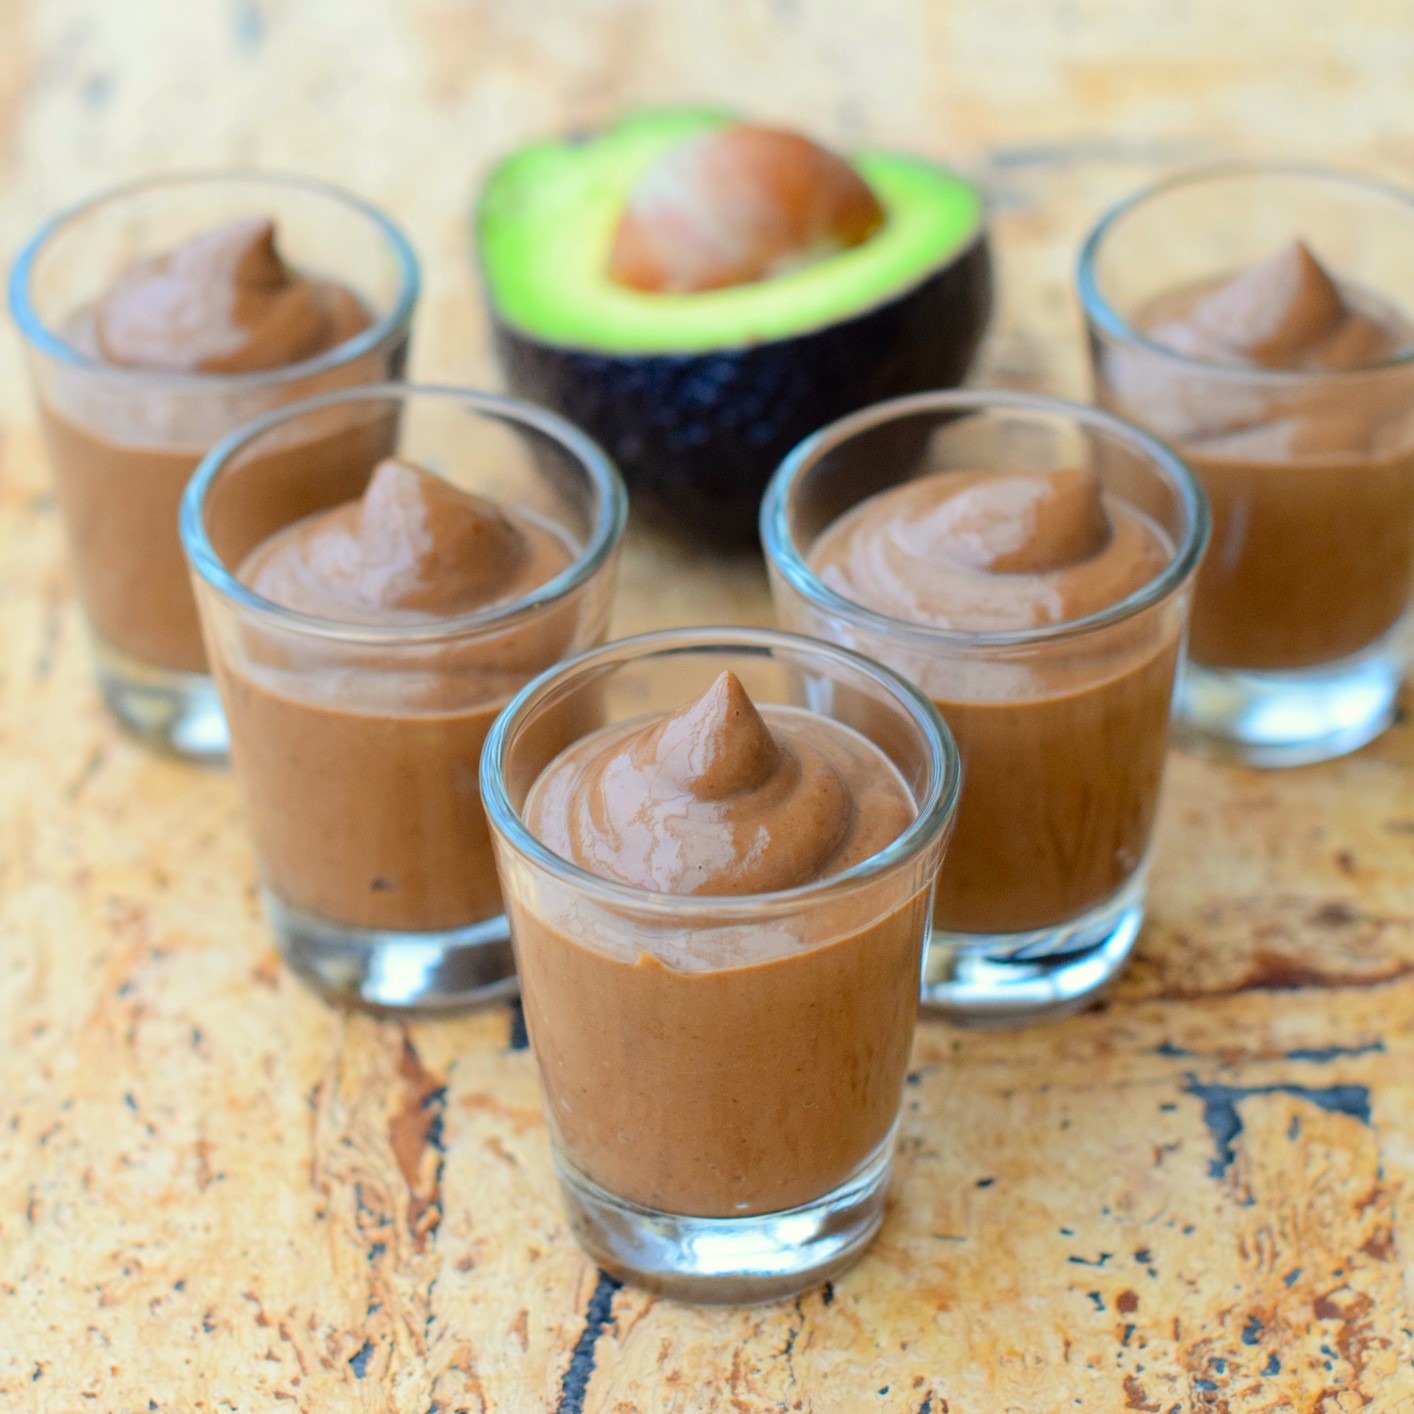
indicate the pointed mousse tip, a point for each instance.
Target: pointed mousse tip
{"x":425,"y":544}
{"x":222,"y":302}
{"x":717,"y":745}
{"x":1277,"y":309}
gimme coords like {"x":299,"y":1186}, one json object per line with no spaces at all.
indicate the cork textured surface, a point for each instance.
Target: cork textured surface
{"x":218,"y":1193}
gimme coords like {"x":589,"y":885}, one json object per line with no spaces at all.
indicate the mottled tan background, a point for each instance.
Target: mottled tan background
{"x":218,"y":1194}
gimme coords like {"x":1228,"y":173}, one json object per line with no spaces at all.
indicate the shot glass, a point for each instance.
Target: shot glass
{"x":722,"y":1074}
{"x":356,"y":746}
{"x":123,"y":442}
{"x":1301,"y":623}
{"x":1062,"y":729}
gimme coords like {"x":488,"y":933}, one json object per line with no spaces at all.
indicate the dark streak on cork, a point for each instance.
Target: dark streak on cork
{"x":597,"y":1316}
{"x":358,"y":1361}
{"x":48,"y":636}
{"x":416,"y":1126}
{"x":1322,"y":1055}
{"x":1220,"y":1114}
{"x":793,"y":1335}
{"x":87,"y":772}
{"x":520,"y":1039}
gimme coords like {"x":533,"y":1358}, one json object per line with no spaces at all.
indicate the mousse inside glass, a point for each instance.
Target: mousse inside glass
{"x":158,"y":318}
{"x":363,"y":650}
{"x":719,"y":892}
{"x":1259,"y":319}
{"x":1063,"y":781}
{"x":1026,"y":563}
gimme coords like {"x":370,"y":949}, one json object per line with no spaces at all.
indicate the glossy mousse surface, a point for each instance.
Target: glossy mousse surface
{"x":1062,"y":768}
{"x":723,"y":1070}
{"x":360,"y":773}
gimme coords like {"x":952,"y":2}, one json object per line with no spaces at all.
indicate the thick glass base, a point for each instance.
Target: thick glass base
{"x":1014,"y":979}
{"x":391,"y":971}
{"x":764,"y":1257}
{"x":1292,"y":718}
{"x":175,"y":712}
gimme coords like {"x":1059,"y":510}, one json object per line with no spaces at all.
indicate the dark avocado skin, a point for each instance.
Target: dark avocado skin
{"x":697,"y":436}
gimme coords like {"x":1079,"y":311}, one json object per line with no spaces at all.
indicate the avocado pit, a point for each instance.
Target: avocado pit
{"x":736,"y":205}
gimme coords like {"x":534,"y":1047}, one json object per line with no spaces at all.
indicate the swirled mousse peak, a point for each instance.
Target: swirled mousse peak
{"x":1285,"y":312}
{"x":223,"y":302}
{"x":1022,"y":524}
{"x":990,"y":551}
{"x":719,"y":797}
{"x":717,"y":746}
{"x":412,"y":547}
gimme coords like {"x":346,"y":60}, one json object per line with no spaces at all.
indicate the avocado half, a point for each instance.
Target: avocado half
{"x":699,"y":396}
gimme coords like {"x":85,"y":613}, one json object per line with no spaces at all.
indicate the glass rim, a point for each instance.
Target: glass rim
{"x":934,"y":811}
{"x":610,"y":497}
{"x":42,"y":336}
{"x":1103,"y":316}
{"x":783,"y":554}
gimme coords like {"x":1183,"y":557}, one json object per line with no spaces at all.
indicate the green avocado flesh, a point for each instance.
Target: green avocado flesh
{"x":546,"y":222}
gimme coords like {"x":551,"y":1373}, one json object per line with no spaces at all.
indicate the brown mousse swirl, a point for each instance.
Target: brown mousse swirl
{"x":714,"y":799}
{"x":1285,"y":312}
{"x":412,"y":548}
{"x":222,"y":302}
{"x":990,"y":552}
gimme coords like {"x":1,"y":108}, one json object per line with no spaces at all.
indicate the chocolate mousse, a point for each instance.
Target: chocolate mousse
{"x":222,"y":304}
{"x":1062,"y":751}
{"x":1311,"y":480}
{"x":360,"y":770}
{"x":722,"y":1071}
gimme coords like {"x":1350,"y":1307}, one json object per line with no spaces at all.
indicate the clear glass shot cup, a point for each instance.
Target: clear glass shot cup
{"x":123,"y":442}
{"x":722,"y":1074}
{"x":356,"y":746}
{"x":1301,"y":621}
{"x":1063,"y":730}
